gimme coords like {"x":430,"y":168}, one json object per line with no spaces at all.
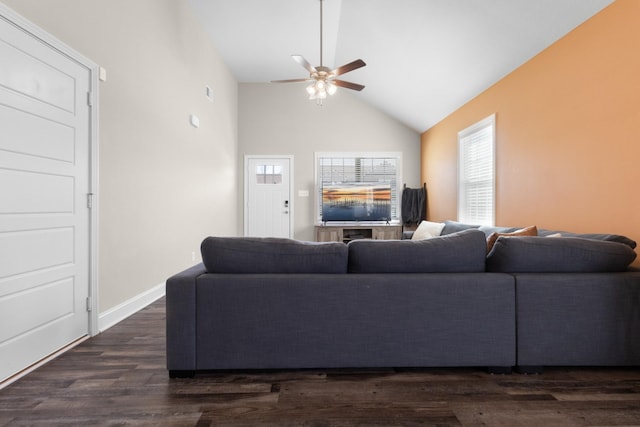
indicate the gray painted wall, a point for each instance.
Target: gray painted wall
{"x":165,"y":185}
{"x":280,"y":119}
{"x":162,"y":182}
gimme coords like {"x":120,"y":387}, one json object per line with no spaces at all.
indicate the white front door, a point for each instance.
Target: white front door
{"x":44,"y":180}
{"x":268,"y":205}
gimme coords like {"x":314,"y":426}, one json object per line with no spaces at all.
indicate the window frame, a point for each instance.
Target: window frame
{"x":464,"y":138}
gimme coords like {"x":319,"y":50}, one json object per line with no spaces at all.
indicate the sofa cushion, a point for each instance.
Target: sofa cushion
{"x":454,"y":226}
{"x":251,"y":255}
{"x":527,"y":231}
{"x":427,"y":230}
{"x":464,"y":251}
{"x":557,"y":255}
{"x":594,"y":236}
{"x":490,"y":229}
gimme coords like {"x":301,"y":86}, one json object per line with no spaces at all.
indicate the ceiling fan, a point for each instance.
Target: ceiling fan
{"x":323,"y":79}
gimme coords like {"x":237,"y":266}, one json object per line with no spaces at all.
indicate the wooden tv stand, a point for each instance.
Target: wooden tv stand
{"x":345,"y":232}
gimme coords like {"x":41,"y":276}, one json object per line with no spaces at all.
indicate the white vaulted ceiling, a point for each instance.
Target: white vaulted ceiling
{"x":425,"y":58}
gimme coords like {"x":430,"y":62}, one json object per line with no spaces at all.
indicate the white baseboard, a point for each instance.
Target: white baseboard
{"x":120,"y":312}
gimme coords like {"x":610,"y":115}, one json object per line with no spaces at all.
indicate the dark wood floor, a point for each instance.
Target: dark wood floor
{"x":119,"y":378}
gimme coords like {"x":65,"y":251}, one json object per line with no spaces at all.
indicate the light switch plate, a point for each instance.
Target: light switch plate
{"x":195,"y":121}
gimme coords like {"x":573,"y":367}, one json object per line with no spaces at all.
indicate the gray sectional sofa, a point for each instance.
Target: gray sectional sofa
{"x":264,"y":303}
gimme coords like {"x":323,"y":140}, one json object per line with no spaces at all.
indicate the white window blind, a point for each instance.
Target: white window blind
{"x":476,"y":167}
{"x":340,"y":168}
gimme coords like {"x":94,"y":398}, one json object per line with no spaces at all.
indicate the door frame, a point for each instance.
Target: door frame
{"x":30,"y":28}
{"x":248,"y":157}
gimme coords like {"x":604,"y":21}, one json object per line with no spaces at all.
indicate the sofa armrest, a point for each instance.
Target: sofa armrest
{"x":181,"y":319}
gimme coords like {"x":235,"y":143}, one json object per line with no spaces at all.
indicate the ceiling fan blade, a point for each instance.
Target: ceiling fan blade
{"x":348,"y":85}
{"x":300,"y":60}
{"x":290,"y":81}
{"x":358,"y":63}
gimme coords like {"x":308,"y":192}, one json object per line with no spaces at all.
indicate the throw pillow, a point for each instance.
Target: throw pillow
{"x":532,"y":230}
{"x":427,"y":230}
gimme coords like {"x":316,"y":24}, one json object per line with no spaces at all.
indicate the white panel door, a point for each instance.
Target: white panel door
{"x":44,"y":181}
{"x":268,"y":207}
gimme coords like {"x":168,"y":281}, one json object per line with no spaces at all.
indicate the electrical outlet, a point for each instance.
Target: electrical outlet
{"x":193,"y":256}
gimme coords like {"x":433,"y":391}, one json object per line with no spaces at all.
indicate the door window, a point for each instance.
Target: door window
{"x":269,"y":174}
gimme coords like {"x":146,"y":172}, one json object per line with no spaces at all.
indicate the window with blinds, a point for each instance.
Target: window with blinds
{"x":476,"y":168}
{"x":375,"y":168}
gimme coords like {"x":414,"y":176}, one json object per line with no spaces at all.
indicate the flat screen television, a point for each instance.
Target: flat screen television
{"x":356,"y":201}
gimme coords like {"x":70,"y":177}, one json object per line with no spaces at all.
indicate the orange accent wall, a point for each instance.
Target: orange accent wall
{"x":567,"y":134}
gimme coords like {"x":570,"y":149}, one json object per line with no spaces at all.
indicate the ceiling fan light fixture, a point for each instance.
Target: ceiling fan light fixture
{"x":318,"y":92}
{"x":311,"y":89}
{"x":331,"y":88}
{"x":322,"y":78}
{"x":320,"y":89}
